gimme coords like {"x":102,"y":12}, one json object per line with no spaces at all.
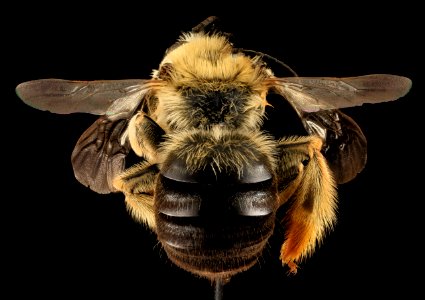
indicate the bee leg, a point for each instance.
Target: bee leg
{"x":137,"y":183}
{"x":145,"y":135}
{"x":306,"y":184}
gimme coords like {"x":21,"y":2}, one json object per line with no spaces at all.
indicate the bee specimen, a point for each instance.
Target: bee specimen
{"x":210,"y":179}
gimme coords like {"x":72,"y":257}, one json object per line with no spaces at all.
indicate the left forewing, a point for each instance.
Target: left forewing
{"x":311,"y":94}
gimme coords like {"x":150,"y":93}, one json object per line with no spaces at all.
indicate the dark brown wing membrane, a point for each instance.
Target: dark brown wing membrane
{"x":68,"y":96}
{"x":99,"y":156}
{"x":317,"y":100}
{"x":345,"y":146}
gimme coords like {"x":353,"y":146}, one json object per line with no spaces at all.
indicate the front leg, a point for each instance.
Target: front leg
{"x":306,"y":182}
{"x":145,"y":136}
{"x":137,"y":184}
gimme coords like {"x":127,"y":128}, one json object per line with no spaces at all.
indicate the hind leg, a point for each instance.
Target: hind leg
{"x":306,"y":184}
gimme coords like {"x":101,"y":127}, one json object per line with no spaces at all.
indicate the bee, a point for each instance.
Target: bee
{"x":210,"y":179}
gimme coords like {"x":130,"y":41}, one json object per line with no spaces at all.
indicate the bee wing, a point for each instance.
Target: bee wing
{"x":311,"y":94}
{"x":317,"y":102}
{"x":98,"y":157}
{"x":344,"y":146}
{"x":67,"y":96}
{"x":99,"y":154}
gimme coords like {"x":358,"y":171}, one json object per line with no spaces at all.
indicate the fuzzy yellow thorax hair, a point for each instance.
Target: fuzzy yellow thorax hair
{"x":205,"y":58}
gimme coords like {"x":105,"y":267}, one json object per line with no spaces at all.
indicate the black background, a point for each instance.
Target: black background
{"x":61,"y":239}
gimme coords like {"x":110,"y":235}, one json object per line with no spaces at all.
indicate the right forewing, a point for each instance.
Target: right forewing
{"x":67,"y":96}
